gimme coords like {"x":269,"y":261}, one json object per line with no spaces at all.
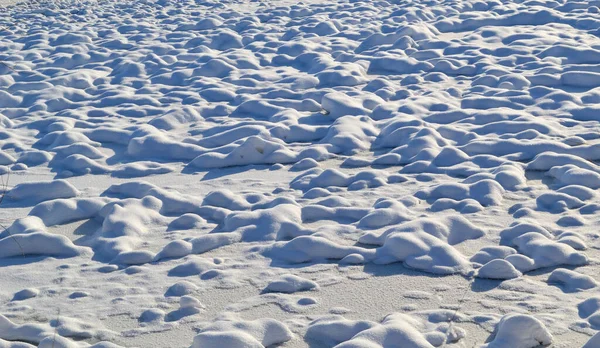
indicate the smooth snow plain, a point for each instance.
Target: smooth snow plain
{"x":314,"y":174}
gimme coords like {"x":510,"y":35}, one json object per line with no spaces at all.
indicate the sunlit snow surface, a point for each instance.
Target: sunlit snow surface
{"x":316,"y":174}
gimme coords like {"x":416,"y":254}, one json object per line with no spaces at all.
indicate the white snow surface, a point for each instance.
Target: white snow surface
{"x":345,"y":173}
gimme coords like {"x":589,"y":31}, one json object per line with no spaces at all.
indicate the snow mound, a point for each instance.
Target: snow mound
{"x":424,"y":244}
{"x":571,"y":280}
{"x":538,"y":244}
{"x":35,"y":192}
{"x":253,"y":150}
{"x":403,"y":329}
{"x":486,"y":192}
{"x":26,"y":332}
{"x":335,"y":329}
{"x":487,"y":254}
{"x":289,"y":283}
{"x":181,"y":288}
{"x":25,"y":294}
{"x":520,"y":331}
{"x":593,"y":342}
{"x":242,"y":334}
{"x":38,"y":243}
{"x":572,"y":175}
{"x":498,"y":269}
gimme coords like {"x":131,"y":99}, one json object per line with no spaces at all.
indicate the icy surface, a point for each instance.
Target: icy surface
{"x":299,"y":174}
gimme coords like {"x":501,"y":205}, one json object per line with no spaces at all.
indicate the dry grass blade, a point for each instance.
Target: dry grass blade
{"x":55,"y":328}
{"x":460,"y":304}
{"x":8,"y":66}
{"x":4,"y":187}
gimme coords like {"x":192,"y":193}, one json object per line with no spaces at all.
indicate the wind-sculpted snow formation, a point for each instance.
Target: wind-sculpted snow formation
{"x":322,"y":173}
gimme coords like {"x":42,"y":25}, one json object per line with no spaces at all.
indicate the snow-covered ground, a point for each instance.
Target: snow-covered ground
{"x":4,"y":3}
{"x":300,"y":174}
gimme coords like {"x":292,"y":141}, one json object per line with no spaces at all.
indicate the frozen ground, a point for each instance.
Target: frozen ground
{"x":317,"y":174}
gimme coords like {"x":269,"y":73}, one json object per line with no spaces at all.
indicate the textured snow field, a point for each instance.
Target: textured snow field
{"x":316,"y":174}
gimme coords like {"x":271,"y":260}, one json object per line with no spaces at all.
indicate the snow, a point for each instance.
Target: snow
{"x":240,"y":333}
{"x":25,"y":294}
{"x":571,"y":280}
{"x":38,"y":243}
{"x":28,"y":332}
{"x":396,"y":329}
{"x":181,"y":288}
{"x":290,"y":283}
{"x":498,"y":269}
{"x":345,"y":173}
{"x":594,"y":341}
{"x":36,"y":192}
{"x":521,"y":331}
